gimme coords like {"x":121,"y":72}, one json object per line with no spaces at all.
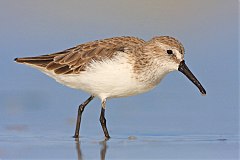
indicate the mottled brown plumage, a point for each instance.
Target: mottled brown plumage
{"x":170,"y":41}
{"x":75,"y":60}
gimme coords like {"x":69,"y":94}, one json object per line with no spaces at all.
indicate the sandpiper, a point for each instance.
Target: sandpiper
{"x":114,"y":67}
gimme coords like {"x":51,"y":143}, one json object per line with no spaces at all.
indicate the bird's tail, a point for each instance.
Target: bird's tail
{"x":40,"y":61}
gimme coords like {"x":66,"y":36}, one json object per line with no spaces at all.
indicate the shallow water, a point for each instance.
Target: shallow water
{"x":119,"y":147}
{"x":39,"y":126}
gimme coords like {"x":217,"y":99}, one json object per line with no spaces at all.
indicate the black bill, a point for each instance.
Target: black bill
{"x":184,"y":69}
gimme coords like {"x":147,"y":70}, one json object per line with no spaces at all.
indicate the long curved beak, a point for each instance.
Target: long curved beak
{"x":184,"y":69}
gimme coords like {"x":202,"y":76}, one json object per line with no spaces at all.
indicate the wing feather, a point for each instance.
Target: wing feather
{"x":75,"y":60}
{"x":62,"y":70}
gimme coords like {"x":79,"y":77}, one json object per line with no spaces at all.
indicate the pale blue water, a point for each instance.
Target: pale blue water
{"x":38,"y":127}
{"x":173,"y":121}
{"x":120,"y":147}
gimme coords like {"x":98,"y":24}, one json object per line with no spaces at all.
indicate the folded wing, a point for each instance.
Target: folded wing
{"x":75,"y":60}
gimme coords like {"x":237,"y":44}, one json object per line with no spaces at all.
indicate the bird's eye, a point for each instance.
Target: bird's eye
{"x":169,"y":51}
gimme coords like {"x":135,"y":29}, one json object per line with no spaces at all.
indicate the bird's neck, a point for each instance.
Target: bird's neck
{"x":149,"y":69}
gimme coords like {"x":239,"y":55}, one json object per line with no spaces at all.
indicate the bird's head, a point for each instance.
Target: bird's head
{"x":170,"y":53}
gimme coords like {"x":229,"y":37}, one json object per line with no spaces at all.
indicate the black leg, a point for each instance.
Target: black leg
{"x":80,"y":110}
{"x":103,"y":120}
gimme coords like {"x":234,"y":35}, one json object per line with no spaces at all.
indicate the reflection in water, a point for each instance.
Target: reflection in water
{"x":103,"y":149}
{"x":78,"y":148}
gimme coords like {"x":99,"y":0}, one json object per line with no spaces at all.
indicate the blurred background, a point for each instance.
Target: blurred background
{"x":32,"y":104}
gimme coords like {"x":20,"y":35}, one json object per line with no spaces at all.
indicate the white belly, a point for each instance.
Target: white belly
{"x":105,"y":79}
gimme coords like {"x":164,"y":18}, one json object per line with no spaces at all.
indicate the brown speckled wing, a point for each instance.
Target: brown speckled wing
{"x":75,"y":60}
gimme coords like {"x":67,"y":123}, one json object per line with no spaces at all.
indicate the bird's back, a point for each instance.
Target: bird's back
{"x":74,"y":60}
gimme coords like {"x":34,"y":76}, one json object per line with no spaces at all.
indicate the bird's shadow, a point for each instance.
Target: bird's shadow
{"x":103,"y":149}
